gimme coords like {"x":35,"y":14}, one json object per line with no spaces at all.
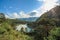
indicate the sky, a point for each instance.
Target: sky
{"x":18,"y":5}
{"x":23,"y":8}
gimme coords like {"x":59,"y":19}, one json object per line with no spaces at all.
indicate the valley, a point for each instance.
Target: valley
{"x":46,"y":27}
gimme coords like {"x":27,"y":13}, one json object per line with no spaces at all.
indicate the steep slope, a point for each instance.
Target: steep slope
{"x":47,"y":22}
{"x":50,"y":17}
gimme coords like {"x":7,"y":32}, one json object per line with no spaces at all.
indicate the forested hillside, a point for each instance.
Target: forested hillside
{"x":46,"y":27}
{"x":7,"y":31}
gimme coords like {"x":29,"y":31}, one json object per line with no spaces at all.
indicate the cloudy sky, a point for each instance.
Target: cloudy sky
{"x":23,"y":8}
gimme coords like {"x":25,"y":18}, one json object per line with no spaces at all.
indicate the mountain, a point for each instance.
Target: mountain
{"x":31,"y":19}
{"x":52,"y":17}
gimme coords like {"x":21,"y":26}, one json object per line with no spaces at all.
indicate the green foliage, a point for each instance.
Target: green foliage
{"x":2,"y":30}
{"x":55,"y":31}
{"x":8,"y":33}
{"x":51,"y":38}
{"x":54,"y":34}
{"x":47,"y":27}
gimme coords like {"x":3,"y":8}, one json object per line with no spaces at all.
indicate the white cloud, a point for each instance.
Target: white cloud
{"x":15,"y":15}
{"x":40,"y":0}
{"x":37,"y":14}
{"x":7,"y":16}
{"x":24,"y":15}
{"x":47,"y":5}
{"x":35,"y":11}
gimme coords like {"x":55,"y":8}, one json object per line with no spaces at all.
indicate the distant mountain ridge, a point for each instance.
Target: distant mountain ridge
{"x":31,"y":19}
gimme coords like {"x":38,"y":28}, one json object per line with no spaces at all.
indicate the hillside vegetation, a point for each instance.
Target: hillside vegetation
{"x":7,"y":32}
{"x":46,"y":27}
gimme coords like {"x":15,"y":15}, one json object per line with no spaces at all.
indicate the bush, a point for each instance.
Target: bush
{"x":54,"y":34}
